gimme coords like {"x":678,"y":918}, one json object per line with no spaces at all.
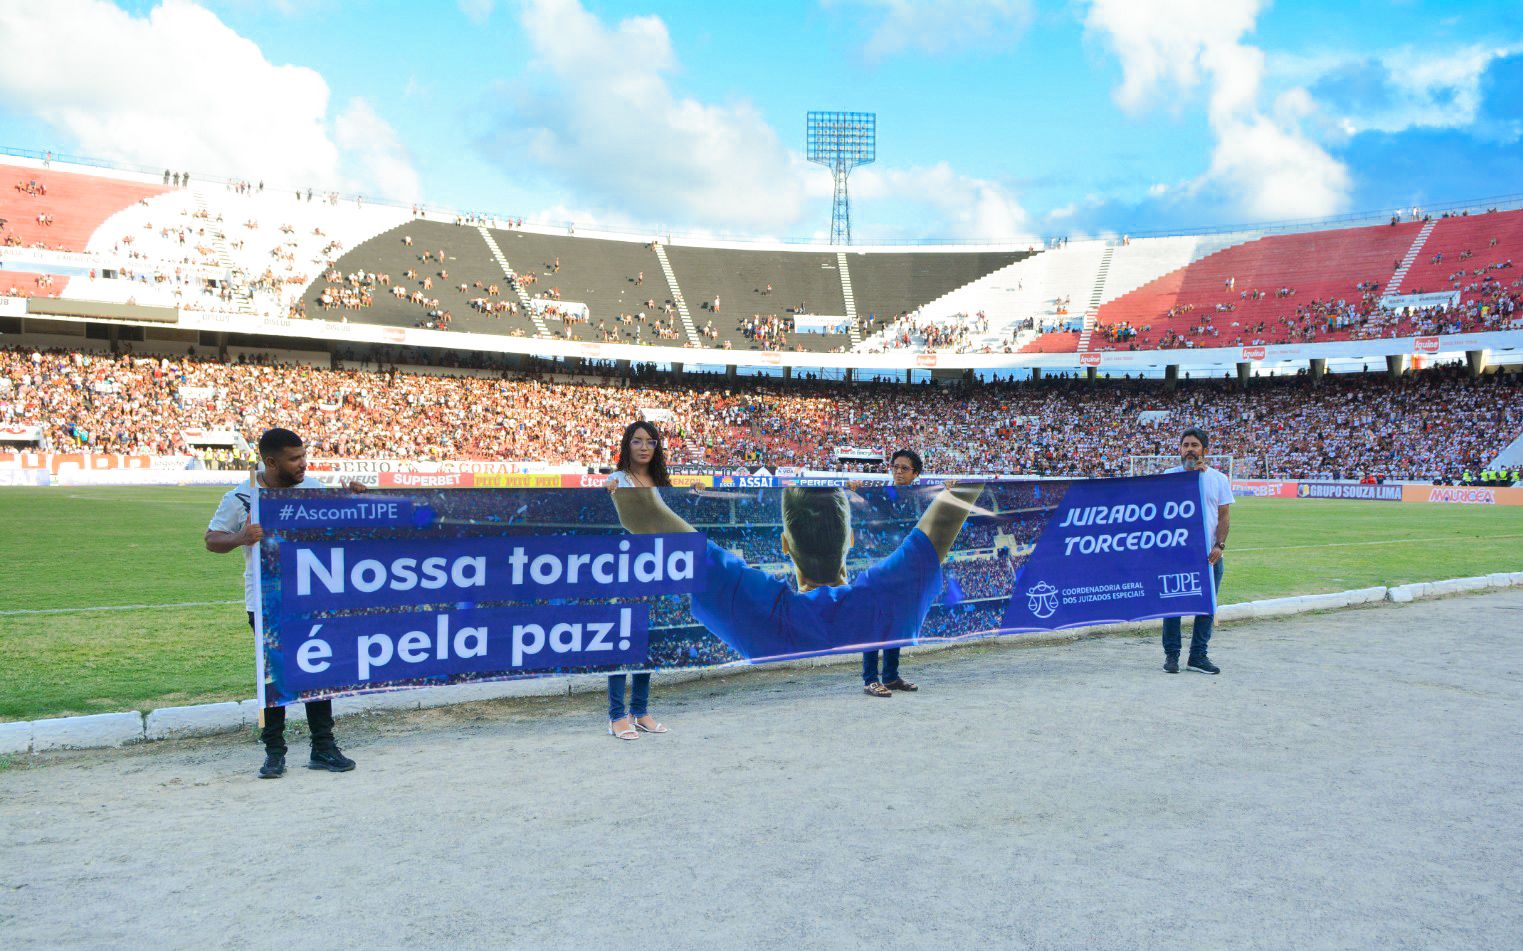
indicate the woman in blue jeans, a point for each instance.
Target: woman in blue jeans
{"x":905,"y":467}
{"x":641,"y":465}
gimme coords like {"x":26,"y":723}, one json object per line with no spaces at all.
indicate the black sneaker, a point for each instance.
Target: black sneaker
{"x":274,"y":766}
{"x":1204,"y":665}
{"x":330,"y":758}
{"x":1171,"y":663}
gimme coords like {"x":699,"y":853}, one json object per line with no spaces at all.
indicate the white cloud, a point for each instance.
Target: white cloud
{"x":606,"y":120}
{"x":941,"y":197}
{"x":1264,"y":162}
{"x":1397,"y":89}
{"x":375,"y":150}
{"x":940,"y":26}
{"x":1279,"y":174}
{"x":178,"y":87}
{"x":606,"y":123}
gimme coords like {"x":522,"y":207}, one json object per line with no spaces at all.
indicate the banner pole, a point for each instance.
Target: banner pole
{"x":259,"y":603}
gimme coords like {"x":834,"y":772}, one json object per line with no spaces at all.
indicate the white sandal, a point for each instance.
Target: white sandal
{"x":658,"y":728}
{"x":628,"y":733}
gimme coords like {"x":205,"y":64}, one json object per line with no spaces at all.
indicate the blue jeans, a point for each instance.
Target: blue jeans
{"x":639,"y":697}
{"x":870,"y":666}
{"x":1200,"y":633}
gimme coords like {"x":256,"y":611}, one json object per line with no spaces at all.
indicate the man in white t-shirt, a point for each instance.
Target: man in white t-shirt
{"x":1216,"y":499}
{"x":285,"y":467}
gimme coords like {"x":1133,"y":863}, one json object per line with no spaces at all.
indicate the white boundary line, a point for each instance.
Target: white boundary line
{"x":1388,"y":541}
{"x":119,"y":729}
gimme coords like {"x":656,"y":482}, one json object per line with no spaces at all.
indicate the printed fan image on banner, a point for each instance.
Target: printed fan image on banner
{"x":427,"y":587}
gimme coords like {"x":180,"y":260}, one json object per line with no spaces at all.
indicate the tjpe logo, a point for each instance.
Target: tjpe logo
{"x":1042,"y":600}
{"x":1185,"y":584}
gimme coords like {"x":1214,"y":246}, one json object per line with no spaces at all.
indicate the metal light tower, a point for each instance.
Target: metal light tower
{"x":841,"y":141}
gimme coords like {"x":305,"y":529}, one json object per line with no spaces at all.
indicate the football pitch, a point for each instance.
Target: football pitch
{"x":109,"y":601}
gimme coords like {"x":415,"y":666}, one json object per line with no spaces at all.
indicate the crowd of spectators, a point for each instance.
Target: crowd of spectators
{"x":957,"y":333}
{"x":1488,"y":302}
{"x":1426,"y":425}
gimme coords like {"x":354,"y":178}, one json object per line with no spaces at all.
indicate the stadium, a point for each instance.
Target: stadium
{"x":1342,"y":783}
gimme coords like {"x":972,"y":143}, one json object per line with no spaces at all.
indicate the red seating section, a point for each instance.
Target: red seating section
{"x":1062,"y":341}
{"x":77,"y":204}
{"x":1316,"y":265}
{"x":24,"y":284}
{"x":1453,"y":237}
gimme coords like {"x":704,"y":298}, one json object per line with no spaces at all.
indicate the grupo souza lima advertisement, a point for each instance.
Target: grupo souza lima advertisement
{"x":424,"y":587}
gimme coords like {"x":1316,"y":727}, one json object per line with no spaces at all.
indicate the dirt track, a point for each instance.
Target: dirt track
{"x":1351,"y":780}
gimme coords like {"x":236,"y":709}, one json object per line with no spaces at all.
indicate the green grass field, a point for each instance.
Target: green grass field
{"x":71,"y":549}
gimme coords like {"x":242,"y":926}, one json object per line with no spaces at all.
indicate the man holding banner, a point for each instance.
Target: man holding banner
{"x":1216,"y":497}
{"x":285,"y":467}
{"x":761,"y":618}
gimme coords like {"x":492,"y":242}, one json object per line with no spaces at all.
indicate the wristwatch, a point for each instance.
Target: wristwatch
{"x":1221,"y":545}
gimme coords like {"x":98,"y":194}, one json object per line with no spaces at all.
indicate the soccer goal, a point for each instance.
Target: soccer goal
{"x":1152,"y":465}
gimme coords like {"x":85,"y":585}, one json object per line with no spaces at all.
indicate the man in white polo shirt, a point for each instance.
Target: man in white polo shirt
{"x":1216,"y":497}
{"x":285,"y":467}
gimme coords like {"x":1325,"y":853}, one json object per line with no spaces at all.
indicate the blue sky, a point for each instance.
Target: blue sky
{"x":997,"y":118}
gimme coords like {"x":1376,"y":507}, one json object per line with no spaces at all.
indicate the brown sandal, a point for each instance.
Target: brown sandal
{"x":876,"y":689}
{"x":899,"y":683}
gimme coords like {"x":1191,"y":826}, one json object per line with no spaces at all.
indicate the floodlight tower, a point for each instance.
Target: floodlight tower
{"x":841,"y":141}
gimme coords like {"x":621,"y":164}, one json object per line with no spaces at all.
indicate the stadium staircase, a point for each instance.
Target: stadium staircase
{"x":1411,"y":257}
{"x":1095,"y":297}
{"x":540,"y":329}
{"x":849,"y":297}
{"x":677,"y":299}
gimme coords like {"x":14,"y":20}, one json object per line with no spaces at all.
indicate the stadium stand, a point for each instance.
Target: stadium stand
{"x":890,"y":283}
{"x":31,"y":284}
{"x":1463,"y":251}
{"x":234,"y":247}
{"x":398,"y":279}
{"x":1250,"y":293}
{"x":1054,"y":341}
{"x":1427,"y":425}
{"x":749,"y":316}
{"x":1067,"y":279}
{"x":604,"y":275}
{"x":48,"y":208}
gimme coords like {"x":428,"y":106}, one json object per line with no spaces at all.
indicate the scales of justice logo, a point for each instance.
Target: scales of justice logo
{"x":1042,"y":600}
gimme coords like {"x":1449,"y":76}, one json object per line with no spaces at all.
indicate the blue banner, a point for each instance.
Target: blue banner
{"x":439,"y":586}
{"x":1117,"y":550}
